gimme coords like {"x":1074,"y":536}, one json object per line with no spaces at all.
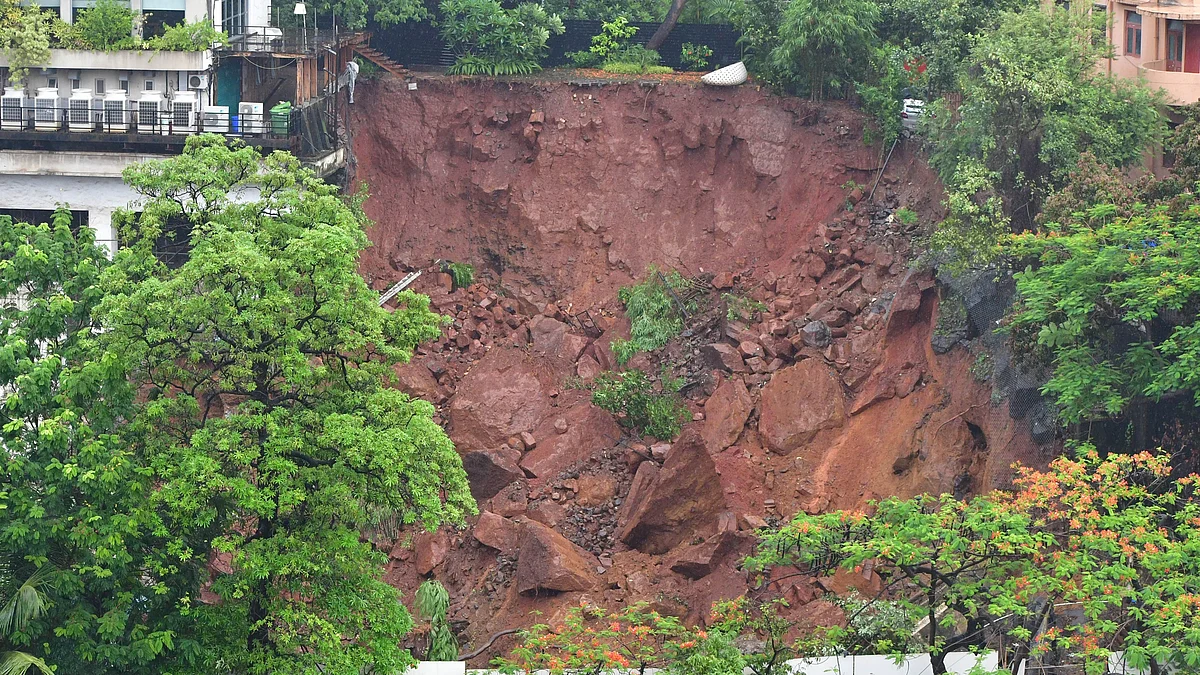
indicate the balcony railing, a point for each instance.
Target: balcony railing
{"x":40,"y":119}
{"x":1181,"y":88}
{"x":275,"y":40}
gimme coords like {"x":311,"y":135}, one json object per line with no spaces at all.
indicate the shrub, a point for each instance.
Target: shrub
{"x":635,"y":69}
{"x":188,"y":37}
{"x":741,"y":308}
{"x":635,"y":60}
{"x":462,"y":273}
{"x":583,"y":59}
{"x":612,"y":37}
{"x":906,"y":216}
{"x":695,"y":57}
{"x":106,"y":25}
{"x":653,"y":314}
{"x":491,"y":40}
{"x":432,"y":604}
{"x":660,"y":414}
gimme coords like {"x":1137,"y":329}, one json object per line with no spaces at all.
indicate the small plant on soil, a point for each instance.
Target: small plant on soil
{"x":653,"y":314}
{"x":695,"y":57}
{"x":906,"y":216}
{"x":463,"y":274}
{"x":635,"y":60}
{"x":432,"y":604}
{"x":741,"y":308}
{"x":632,"y":396}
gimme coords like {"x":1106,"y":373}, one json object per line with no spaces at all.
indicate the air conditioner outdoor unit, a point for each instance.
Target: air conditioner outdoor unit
{"x":149,"y":109}
{"x":12,"y":109}
{"x":79,"y":110}
{"x":215,"y":119}
{"x":45,"y":109}
{"x":197,"y":81}
{"x":185,"y":109}
{"x":115,"y":112}
{"x":250,"y":118}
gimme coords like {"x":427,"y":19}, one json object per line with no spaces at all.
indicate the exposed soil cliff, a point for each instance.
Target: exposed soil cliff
{"x":559,"y":194}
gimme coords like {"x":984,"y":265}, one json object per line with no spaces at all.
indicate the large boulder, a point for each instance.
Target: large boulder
{"x":799,"y":402}
{"x":548,"y":561}
{"x":725,"y":414}
{"x":685,"y":496}
{"x":491,"y":470}
{"x":588,"y":431}
{"x":497,"y":532}
{"x":554,"y":338}
{"x":501,"y":396}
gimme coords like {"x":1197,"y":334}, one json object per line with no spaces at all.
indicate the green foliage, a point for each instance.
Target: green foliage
{"x":267,"y":423}
{"x":583,"y":59}
{"x":107,"y":25}
{"x":695,"y":57}
{"x":1109,"y":303}
{"x":433,"y":602}
{"x":634,"y":60}
{"x":489,"y":39}
{"x":356,"y":14}
{"x":741,"y":308}
{"x":367,"y":70}
{"x":20,"y":605}
{"x":601,"y":10}
{"x":759,"y":623}
{"x":906,"y":216}
{"x":24,"y":38}
{"x":1032,"y":102}
{"x":197,"y":36}
{"x":632,"y":397}
{"x":463,"y":274}
{"x":880,"y":93}
{"x":875,"y":626}
{"x":823,"y":45}
{"x":74,"y":494}
{"x":613,"y":36}
{"x":758,"y":22}
{"x":653,"y":314}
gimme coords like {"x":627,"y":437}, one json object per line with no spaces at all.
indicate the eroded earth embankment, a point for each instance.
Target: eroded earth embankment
{"x":559,"y":194}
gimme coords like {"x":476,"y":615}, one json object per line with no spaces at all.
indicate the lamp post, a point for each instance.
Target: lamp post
{"x":302,"y":11}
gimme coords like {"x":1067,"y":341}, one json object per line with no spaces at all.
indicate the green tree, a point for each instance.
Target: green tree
{"x":433,"y":603}
{"x":825,"y":44}
{"x":74,"y":513}
{"x":20,"y":605}
{"x":24,"y":38}
{"x":1032,"y":103}
{"x":106,"y":25}
{"x":489,"y":39}
{"x":268,"y":421}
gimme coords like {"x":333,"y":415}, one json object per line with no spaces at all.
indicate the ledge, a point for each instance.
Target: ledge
{"x":125,"y":59}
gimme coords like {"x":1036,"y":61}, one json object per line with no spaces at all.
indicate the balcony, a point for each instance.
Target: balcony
{"x":1181,"y":88}
{"x":287,"y":41}
{"x":125,"y":59}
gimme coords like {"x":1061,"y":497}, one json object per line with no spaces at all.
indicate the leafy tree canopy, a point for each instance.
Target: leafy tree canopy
{"x":1032,"y":103}
{"x":268,"y":423}
{"x":74,"y":498}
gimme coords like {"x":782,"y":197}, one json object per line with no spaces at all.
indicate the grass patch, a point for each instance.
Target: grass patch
{"x":463,"y":274}
{"x":741,"y":308}
{"x":633,"y":398}
{"x":623,"y":68}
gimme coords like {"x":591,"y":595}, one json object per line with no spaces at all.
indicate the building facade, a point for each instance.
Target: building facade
{"x":70,"y":127}
{"x":1158,"y":40}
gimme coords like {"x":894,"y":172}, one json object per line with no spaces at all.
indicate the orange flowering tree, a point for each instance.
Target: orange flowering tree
{"x":1091,"y":556}
{"x":593,"y":640}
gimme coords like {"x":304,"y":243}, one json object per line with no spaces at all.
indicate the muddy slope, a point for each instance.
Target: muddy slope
{"x":824,"y":395}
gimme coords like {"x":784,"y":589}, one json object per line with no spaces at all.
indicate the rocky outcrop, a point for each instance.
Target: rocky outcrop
{"x":501,"y":396}
{"x":685,"y":496}
{"x":799,"y":402}
{"x":725,"y":414}
{"x":497,"y":532}
{"x":490,"y":471}
{"x":570,"y":437}
{"x":549,"y":562}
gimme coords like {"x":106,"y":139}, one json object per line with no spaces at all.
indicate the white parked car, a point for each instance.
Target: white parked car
{"x":911,"y":113}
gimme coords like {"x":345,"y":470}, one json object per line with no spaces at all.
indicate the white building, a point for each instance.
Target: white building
{"x":76,"y":122}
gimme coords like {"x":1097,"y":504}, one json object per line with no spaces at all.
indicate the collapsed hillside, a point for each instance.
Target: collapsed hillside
{"x":825,"y":396}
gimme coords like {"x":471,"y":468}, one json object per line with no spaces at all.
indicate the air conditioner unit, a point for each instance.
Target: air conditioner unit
{"x":45,"y":109}
{"x":149,"y":109}
{"x":12,"y":109}
{"x":79,"y":110}
{"x":196,"y":81}
{"x":185,"y":109}
{"x":215,"y":119}
{"x":115,"y":112}
{"x":250,"y":118}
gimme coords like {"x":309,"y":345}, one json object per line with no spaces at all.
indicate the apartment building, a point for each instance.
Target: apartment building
{"x":1158,"y":40}
{"x":70,"y":127}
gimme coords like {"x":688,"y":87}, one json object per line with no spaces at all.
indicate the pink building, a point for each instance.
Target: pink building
{"x":1160,"y":40}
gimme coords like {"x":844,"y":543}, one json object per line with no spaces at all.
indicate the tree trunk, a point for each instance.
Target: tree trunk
{"x":660,"y":35}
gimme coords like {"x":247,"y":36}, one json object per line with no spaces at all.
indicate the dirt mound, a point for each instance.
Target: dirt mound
{"x":808,"y":371}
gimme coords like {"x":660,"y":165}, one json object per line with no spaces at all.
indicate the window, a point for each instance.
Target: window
{"x":1133,"y":33}
{"x":52,"y":82}
{"x":149,"y":86}
{"x":124,"y":84}
{"x":99,"y":85}
{"x":233,"y":17}
{"x":75,"y":83}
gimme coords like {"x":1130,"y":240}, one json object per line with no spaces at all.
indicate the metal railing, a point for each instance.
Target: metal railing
{"x":290,"y":40}
{"x":62,"y":118}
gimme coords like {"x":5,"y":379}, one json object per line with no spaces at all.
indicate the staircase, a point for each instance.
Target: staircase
{"x":380,"y":59}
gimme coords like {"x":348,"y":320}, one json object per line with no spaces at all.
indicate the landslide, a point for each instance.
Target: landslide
{"x":824,"y":395}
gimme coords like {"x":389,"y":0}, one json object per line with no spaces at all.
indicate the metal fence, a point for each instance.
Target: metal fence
{"x":420,"y":44}
{"x":65,"y":118}
{"x":287,"y":40}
